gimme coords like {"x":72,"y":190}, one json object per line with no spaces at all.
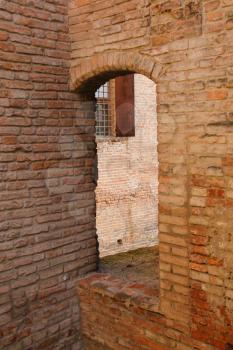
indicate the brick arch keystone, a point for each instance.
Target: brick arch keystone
{"x":108,"y":65}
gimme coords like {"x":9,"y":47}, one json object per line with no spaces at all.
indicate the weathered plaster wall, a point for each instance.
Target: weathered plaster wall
{"x":126,"y":194}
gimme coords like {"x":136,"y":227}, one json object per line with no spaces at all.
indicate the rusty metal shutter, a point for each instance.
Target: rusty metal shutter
{"x":124,"y":99}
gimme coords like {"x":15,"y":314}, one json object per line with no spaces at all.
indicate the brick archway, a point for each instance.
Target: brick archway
{"x":89,"y":75}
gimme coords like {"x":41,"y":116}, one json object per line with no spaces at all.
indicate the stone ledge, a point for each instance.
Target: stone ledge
{"x":128,"y":293}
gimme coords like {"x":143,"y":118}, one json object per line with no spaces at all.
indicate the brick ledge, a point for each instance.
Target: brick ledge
{"x":128,"y":293}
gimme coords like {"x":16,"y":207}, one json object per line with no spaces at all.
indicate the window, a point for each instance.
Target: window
{"x":104,"y":111}
{"x":115,"y":108}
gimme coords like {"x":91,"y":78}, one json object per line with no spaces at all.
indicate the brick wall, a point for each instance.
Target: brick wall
{"x":47,"y":212}
{"x":47,"y":235}
{"x":126,"y":194}
{"x":186,"y":48}
{"x":129,"y":318}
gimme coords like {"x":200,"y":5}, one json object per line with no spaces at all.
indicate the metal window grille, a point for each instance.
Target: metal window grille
{"x":103,"y":111}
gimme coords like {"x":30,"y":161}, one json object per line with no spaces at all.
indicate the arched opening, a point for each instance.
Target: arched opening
{"x":104,"y":293}
{"x":126,"y":178}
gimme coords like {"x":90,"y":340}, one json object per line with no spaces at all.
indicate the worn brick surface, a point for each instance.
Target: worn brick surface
{"x":47,"y":235}
{"x":130,"y":313}
{"x":186,"y":48}
{"x":47,"y":149}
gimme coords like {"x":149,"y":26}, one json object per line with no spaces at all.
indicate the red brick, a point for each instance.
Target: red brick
{"x":186,"y":47}
{"x":219,"y":94}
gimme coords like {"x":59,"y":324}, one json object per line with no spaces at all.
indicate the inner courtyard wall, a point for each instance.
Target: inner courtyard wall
{"x":127,"y":188}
